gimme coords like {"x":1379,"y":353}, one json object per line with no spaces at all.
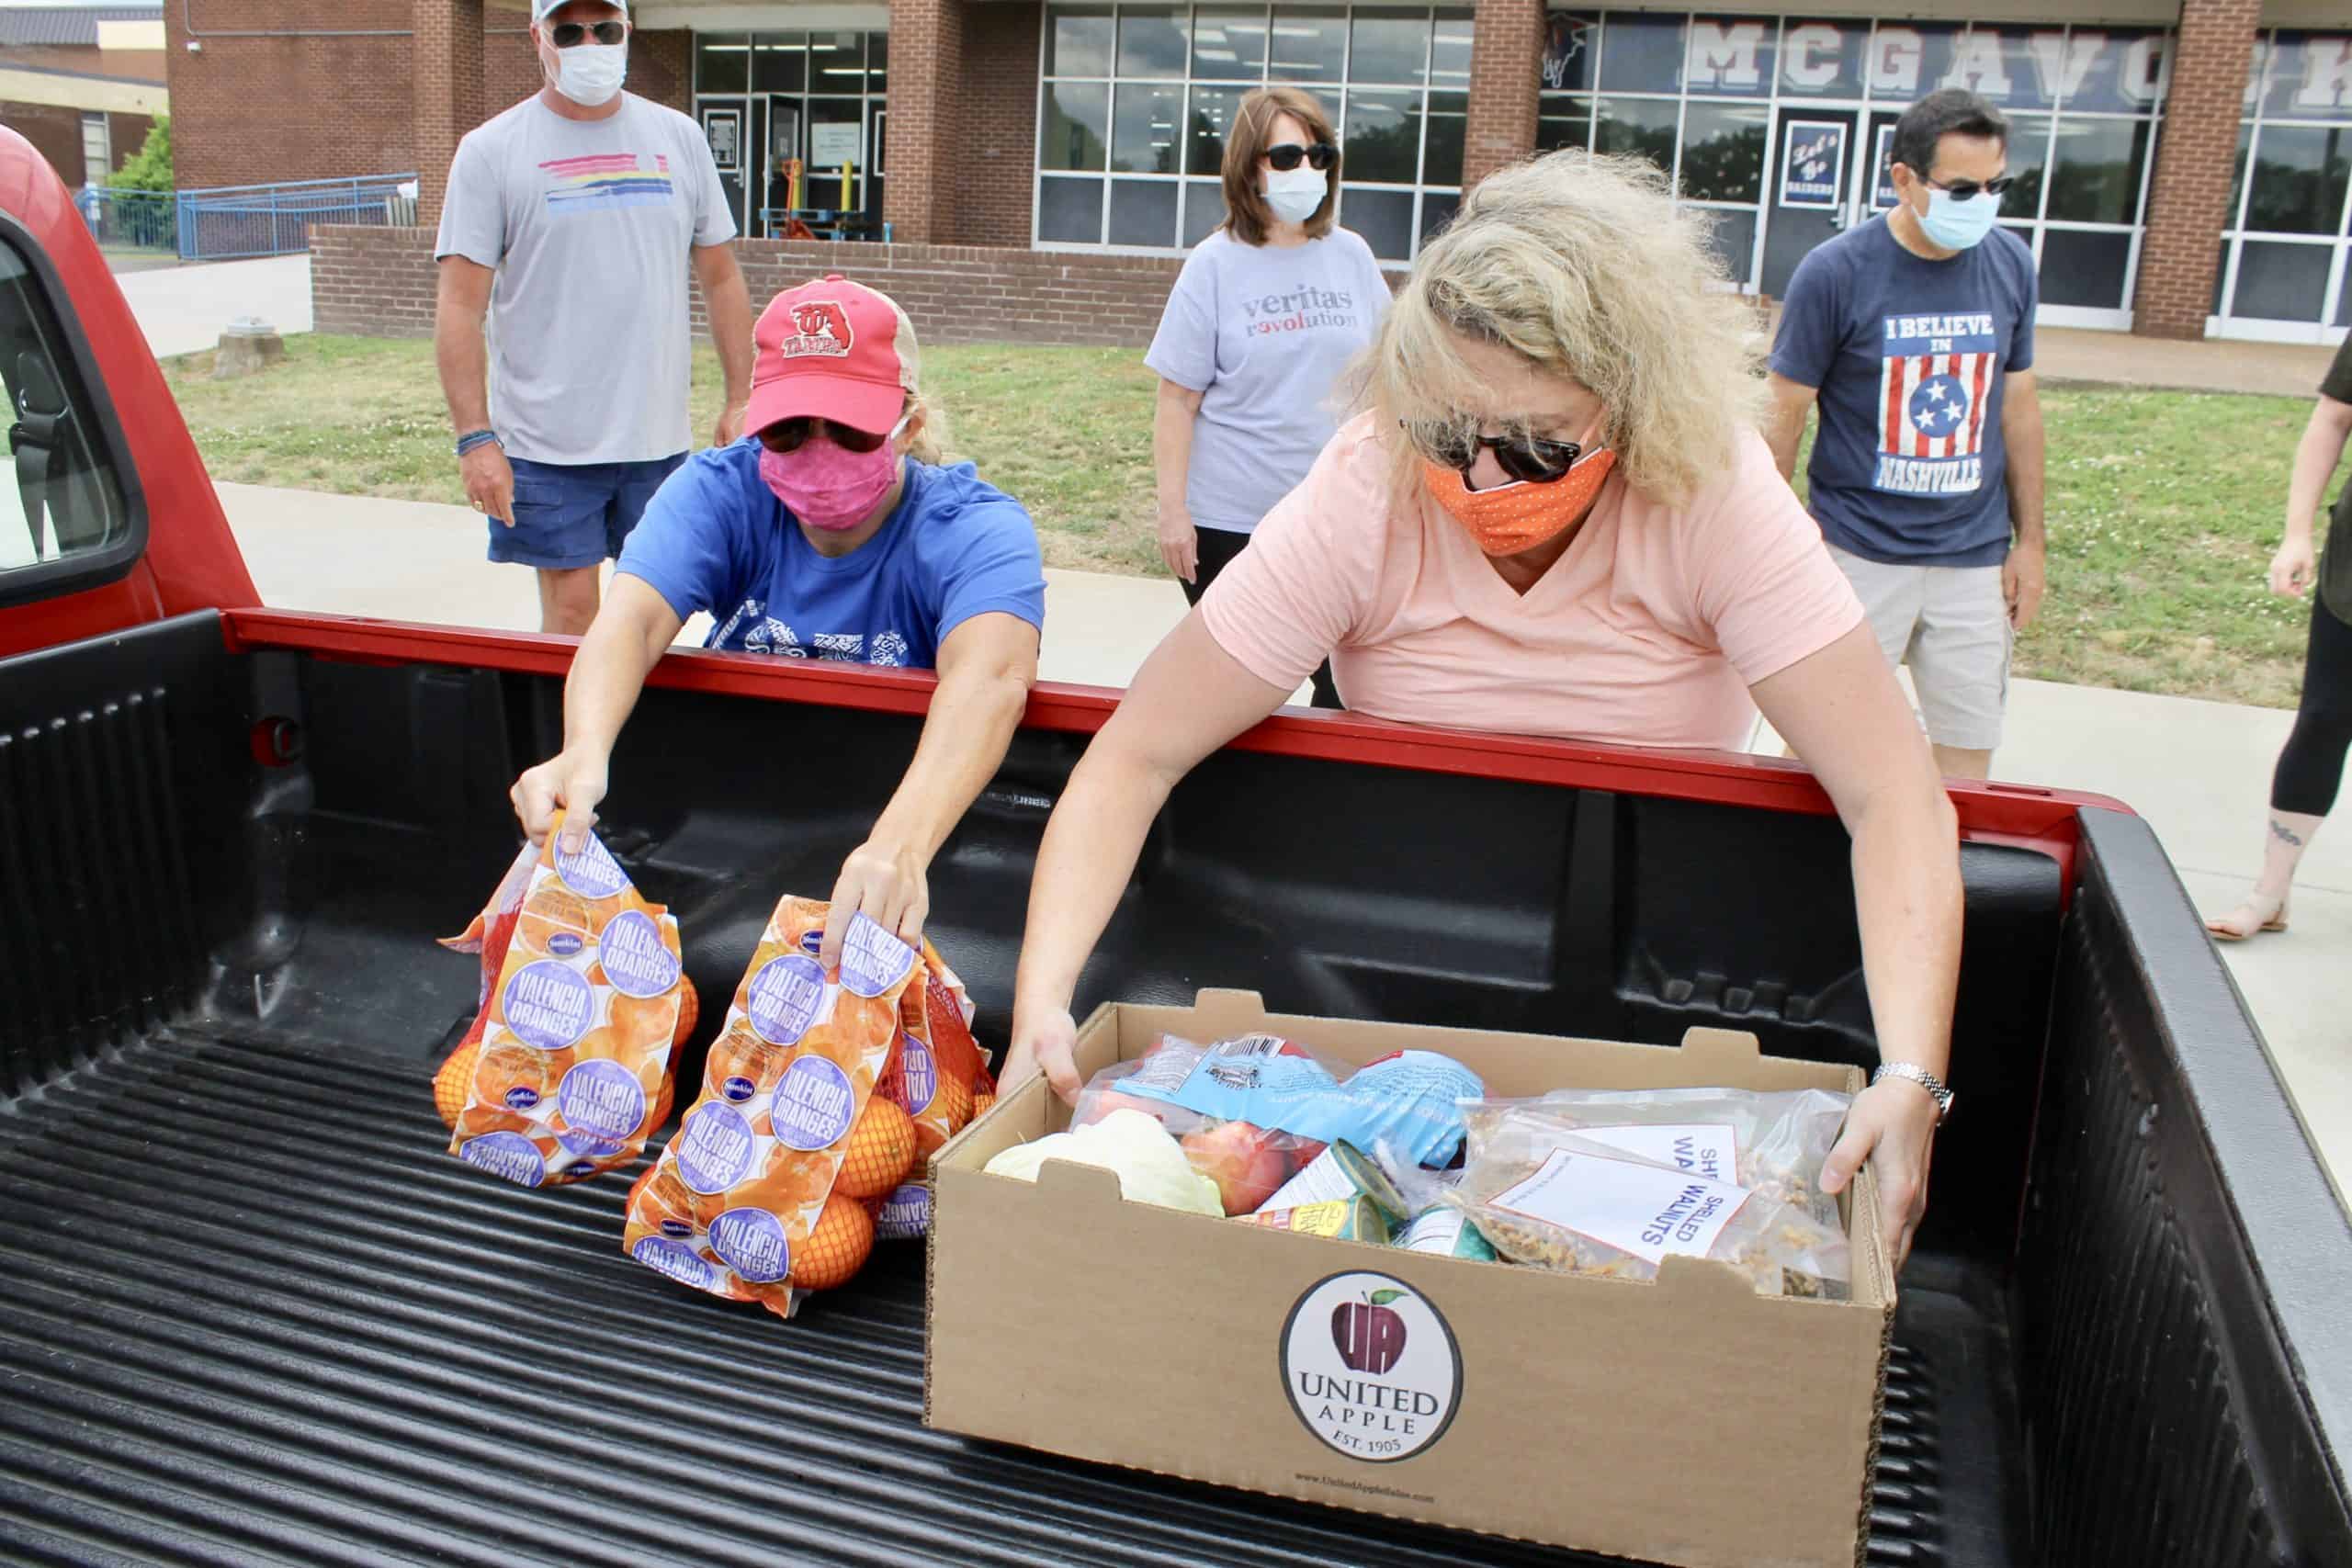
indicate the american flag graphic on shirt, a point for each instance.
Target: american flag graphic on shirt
{"x":604,"y":182}
{"x":1936,"y":381}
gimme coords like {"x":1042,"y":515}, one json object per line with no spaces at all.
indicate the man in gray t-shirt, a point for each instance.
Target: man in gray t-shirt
{"x":567,"y":228}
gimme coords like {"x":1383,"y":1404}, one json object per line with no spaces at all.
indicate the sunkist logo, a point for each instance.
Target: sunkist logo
{"x":1370,"y":1367}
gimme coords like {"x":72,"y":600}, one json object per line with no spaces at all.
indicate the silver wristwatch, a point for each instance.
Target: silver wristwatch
{"x":1925,"y":1079}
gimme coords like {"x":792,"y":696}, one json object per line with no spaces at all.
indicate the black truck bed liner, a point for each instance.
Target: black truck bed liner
{"x":250,"y":1312}
{"x":255,"y":1315}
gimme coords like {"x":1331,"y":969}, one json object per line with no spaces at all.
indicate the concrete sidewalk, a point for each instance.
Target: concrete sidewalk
{"x":183,"y":309}
{"x":2198,"y":772}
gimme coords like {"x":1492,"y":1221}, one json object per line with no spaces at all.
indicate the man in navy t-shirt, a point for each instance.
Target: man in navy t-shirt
{"x":1914,"y":335}
{"x":831,"y":532}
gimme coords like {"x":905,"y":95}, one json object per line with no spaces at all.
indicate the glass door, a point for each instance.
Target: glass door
{"x":722,"y":127}
{"x":1811,"y":193}
{"x":783,"y":145}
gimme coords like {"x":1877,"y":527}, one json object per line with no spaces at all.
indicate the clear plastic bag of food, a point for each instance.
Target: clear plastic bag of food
{"x":1255,"y":1111}
{"x":1559,"y":1199}
{"x":1249,"y":1163}
{"x":1771,"y":1142}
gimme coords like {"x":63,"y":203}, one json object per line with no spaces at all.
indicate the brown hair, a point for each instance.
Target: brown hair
{"x":1247,"y":216}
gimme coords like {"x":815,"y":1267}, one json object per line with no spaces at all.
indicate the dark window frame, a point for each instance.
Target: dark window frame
{"x":103,"y":429}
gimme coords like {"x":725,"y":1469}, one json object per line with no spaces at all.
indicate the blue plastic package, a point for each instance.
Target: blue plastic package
{"x":1405,"y":1098}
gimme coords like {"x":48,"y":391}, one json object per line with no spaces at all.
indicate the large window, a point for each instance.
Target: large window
{"x":65,"y":521}
{"x":767,"y":99}
{"x":2283,"y":256}
{"x":1702,"y":96}
{"x":1136,"y":101}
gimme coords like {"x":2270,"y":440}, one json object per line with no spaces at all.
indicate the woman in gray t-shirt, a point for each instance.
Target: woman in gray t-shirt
{"x":1266,"y":314}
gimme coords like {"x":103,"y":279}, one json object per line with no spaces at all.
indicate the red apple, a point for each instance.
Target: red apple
{"x":1242,"y":1159}
{"x":1304,"y":1154}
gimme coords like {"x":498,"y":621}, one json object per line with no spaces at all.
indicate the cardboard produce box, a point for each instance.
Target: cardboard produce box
{"x":1687,"y":1420}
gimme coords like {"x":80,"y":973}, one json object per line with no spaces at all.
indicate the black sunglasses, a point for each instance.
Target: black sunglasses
{"x":569,"y":35}
{"x":1530,"y":459}
{"x":1287,"y":155}
{"x":788,"y":434}
{"x":1968,"y":190}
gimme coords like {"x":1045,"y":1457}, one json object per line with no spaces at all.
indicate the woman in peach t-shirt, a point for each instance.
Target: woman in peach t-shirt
{"x":1556,"y":517}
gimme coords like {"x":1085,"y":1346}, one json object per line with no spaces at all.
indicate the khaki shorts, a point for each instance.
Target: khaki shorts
{"x":1950,"y":624}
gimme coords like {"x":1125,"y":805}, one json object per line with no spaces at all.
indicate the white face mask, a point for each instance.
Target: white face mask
{"x":1294,"y":194}
{"x":590,"y":73}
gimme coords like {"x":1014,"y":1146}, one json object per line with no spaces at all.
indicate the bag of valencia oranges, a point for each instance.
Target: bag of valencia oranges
{"x":566,"y":1069}
{"x":822,"y":1093}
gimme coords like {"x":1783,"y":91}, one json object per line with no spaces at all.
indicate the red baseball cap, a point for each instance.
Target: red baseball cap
{"x":834,"y":349}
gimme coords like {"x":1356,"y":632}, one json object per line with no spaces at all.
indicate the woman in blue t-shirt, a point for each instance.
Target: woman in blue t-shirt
{"x":1264,"y":318}
{"x":831,"y":532}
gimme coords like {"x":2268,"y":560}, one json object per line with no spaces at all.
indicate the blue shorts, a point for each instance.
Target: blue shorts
{"x":575,"y":515}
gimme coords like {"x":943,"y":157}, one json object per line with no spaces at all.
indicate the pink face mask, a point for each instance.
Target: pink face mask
{"x":828,"y":486}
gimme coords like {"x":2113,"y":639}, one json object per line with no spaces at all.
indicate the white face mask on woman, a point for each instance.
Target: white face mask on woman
{"x":1294,"y":194}
{"x":590,"y":73}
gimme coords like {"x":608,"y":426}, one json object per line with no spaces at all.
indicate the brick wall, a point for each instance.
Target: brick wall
{"x":248,"y":110}
{"x":448,"y":93}
{"x":137,"y":64}
{"x":55,"y":133}
{"x":379,"y":282}
{"x":2188,"y":204}
{"x":993,"y":172}
{"x":1505,"y":44}
{"x":926,"y":81}
{"x":251,"y":110}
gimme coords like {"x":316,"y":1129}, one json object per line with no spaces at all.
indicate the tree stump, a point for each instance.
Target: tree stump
{"x":249,"y":346}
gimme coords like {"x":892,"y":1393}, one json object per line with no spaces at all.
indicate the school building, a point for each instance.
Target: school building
{"x":2182,"y":164}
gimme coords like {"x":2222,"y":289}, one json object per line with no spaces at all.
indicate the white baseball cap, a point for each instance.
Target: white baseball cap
{"x":539,"y":8}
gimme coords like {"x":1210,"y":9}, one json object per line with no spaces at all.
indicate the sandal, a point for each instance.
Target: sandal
{"x":2249,"y":918}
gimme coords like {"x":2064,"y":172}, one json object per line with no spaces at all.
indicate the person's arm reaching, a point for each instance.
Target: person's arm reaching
{"x":987,"y":665}
{"x":1842,"y":711}
{"x":633,"y":628}
{"x":1189,"y":698}
{"x":2322,"y":447}
{"x":728,"y":299}
{"x":2021,"y":432}
{"x":461,"y":302}
{"x":1784,"y":423}
{"x":1171,"y":459}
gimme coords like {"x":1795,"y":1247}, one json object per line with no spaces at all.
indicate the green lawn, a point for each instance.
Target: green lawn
{"x":2163,"y":506}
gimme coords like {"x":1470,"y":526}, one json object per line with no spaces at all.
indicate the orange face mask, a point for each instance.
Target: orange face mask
{"x":1508,"y":518}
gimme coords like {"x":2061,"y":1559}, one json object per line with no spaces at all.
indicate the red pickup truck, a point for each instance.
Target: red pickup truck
{"x":250,"y":1311}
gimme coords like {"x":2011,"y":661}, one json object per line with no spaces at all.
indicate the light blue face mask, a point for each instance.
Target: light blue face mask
{"x":1956,"y":225}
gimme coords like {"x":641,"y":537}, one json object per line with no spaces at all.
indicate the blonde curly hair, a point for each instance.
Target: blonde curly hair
{"x":1583,"y":265}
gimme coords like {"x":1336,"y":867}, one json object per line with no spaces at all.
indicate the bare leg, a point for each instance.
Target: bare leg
{"x":1960,"y":762}
{"x":2265,"y":909}
{"x":567,"y":598}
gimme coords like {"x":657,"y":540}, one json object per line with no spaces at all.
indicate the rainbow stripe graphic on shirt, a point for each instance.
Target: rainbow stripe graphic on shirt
{"x":604,"y":182}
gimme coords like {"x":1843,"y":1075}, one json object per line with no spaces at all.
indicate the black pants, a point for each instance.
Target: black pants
{"x":1216,"y":548}
{"x":2311,"y":765}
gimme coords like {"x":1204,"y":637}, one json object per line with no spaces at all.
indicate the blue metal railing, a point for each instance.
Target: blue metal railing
{"x":231,"y":222}
{"x":131,"y":219}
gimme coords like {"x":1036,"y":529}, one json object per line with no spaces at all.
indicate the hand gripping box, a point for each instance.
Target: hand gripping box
{"x":1687,"y":1420}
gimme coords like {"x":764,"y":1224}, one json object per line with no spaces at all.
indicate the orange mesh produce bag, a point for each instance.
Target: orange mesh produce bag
{"x":744,"y":1203}
{"x":571,"y":1065}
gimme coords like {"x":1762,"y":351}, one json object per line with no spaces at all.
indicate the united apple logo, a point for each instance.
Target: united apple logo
{"x":1369,"y":1334}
